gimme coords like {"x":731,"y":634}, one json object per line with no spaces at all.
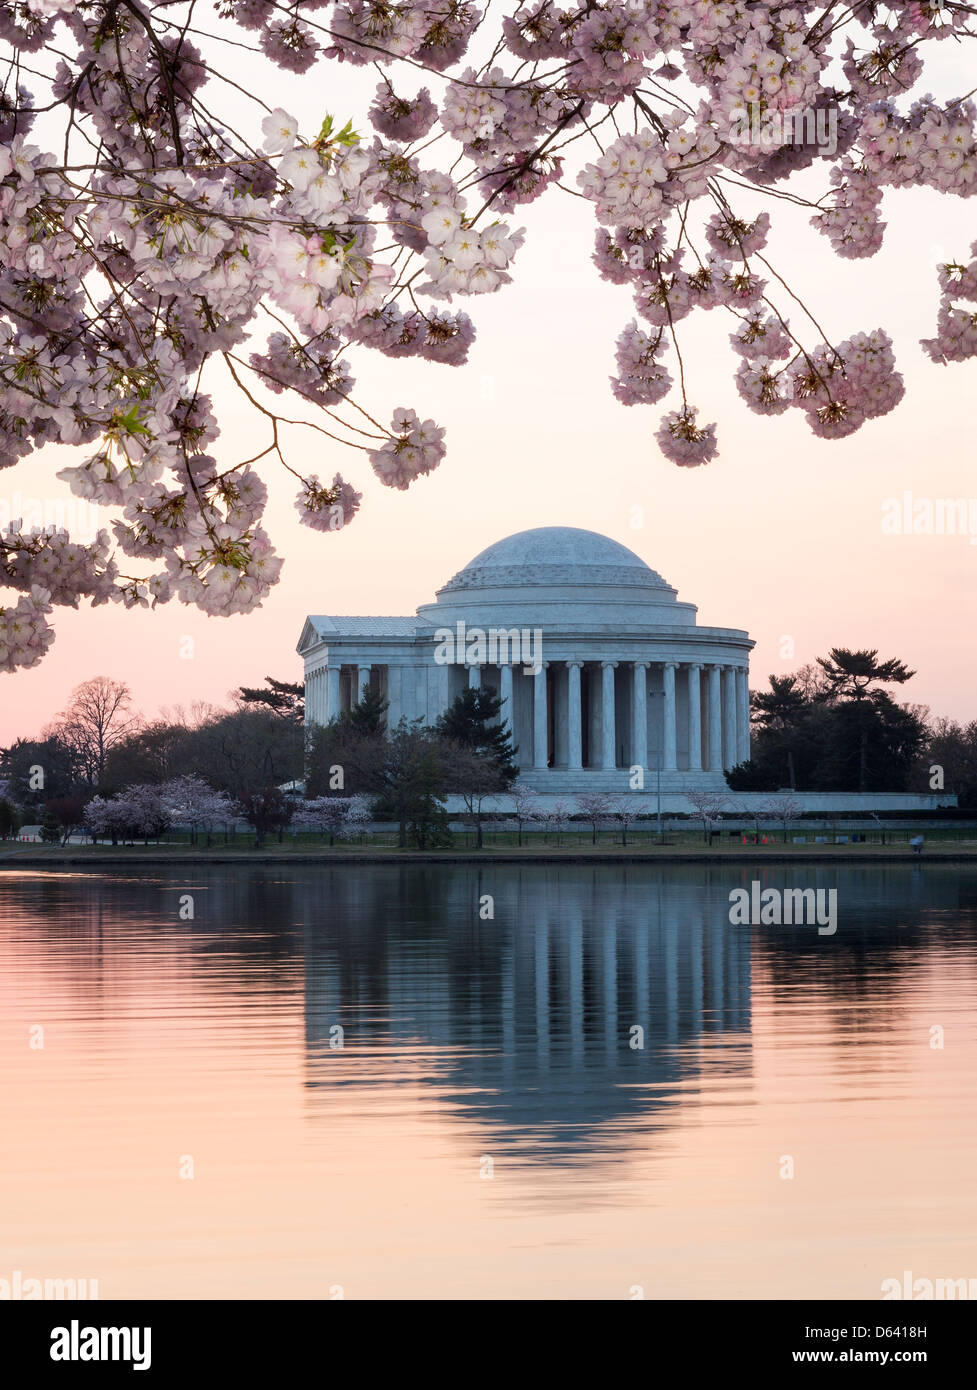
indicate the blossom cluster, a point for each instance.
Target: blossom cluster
{"x":149,"y":250}
{"x":415,"y":447}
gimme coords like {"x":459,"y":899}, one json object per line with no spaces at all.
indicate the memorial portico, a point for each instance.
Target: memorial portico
{"x":599,"y":667}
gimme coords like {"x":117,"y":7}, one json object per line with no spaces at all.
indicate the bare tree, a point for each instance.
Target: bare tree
{"x":596,"y":807}
{"x":98,"y":717}
{"x":474,"y":777}
{"x":708,"y":806}
{"x":782,"y":809}
{"x":526,"y":807}
{"x":626,"y":812}
{"x":558,"y":816}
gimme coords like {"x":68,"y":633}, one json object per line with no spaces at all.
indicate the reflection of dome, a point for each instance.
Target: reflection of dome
{"x":555,"y":556}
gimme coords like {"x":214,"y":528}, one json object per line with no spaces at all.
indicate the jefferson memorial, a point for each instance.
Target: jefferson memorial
{"x":600,"y":668}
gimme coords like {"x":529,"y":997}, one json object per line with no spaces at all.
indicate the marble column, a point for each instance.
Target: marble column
{"x":608,"y":760}
{"x":474,"y":677}
{"x":715,"y":720}
{"x":669,"y":761}
{"x":574,"y":736}
{"x":540,"y":732}
{"x":332,"y":697}
{"x":506,"y":715}
{"x":639,"y":716}
{"x":362,"y":682}
{"x":742,"y":714}
{"x":695,"y":719}
{"x":729,"y":716}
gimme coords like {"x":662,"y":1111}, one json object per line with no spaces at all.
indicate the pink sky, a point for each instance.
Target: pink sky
{"x":781,"y":534}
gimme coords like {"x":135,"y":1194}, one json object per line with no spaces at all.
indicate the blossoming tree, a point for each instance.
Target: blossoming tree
{"x":149,"y":245}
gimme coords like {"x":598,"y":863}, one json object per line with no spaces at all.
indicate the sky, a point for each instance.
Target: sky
{"x":781,"y":534}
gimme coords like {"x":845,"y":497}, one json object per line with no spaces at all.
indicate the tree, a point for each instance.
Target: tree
{"x":266,"y":811}
{"x":324,"y":815}
{"x":142,"y":256}
{"x":35,"y":769}
{"x":243,"y":752}
{"x":783,"y":809}
{"x":10,"y":821}
{"x":153,"y":753}
{"x":412,"y":785}
{"x":472,"y":721}
{"x":284,"y":698}
{"x":839,"y":731}
{"x":781,"y":710}
{"x":856,"y":676}
{"x":101,"y":818}
{"x":526,"y":807}
{"x":338,"y":817}
{"x":189,"y":801}
{"x":474,"y":777}
{"x":596,"y":807}
{"x":137,"y":811}
{"x":368,"y":717}
{"x":50,"y":828}
{"x":949,"y":760}
{"x":347,"y":754}
{"x":98,"y":717}
{"x":558,"y":818}
{"x":708,"y":807}
{"x":626,"y":811}
{"x":68,"y":813}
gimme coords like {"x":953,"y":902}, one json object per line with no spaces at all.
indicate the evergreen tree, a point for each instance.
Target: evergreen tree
{"x":472,"y":721}
{"x":281,"y":697}
{"x":369,"y":716}
{"x":857,"y":678}
{"x":781,"y":710}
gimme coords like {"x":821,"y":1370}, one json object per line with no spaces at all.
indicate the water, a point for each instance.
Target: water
{"x":191,"y":1127}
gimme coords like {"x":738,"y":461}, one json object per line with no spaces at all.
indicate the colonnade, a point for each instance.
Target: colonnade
{"x":597,"y":720}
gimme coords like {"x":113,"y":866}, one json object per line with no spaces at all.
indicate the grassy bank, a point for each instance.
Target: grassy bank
{"x":571,"y":850}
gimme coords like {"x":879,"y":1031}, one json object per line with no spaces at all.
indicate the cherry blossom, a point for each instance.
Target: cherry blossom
{"x":151,"y":252}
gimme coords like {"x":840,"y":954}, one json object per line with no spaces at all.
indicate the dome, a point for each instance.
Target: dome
{"x":555,"y":556}
{"x":561,"y":579}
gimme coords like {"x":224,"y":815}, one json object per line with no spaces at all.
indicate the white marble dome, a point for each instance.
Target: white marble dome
{"x":555,"y":555}
{"x":558,"y":575}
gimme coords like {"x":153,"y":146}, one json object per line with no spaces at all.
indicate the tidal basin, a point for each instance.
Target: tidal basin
{"x":304,"y":1082}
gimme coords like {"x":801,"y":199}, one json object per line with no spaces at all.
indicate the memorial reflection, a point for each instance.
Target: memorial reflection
{"x":521,"y":1022}
{"x":579,"y":1003}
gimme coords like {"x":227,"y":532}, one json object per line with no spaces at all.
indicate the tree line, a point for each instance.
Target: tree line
{"x":835,"y":726}
{"x":99,"y":766}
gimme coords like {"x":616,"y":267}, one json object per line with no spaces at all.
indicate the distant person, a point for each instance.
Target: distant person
{"x":917,"y":844}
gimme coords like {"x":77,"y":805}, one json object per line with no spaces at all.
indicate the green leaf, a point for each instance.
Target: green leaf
{"x":131,"y":422}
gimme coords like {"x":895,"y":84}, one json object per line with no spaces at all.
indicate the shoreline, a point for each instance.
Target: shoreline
{"x":873,"y":855}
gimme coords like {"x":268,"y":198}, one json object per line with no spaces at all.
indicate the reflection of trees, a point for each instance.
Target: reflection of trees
{"x":521,"y":1022}
{"x":889,"y":917}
